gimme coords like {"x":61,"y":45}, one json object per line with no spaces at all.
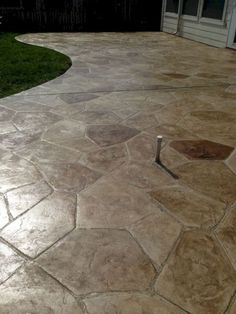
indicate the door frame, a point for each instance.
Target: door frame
{"x":232,"y":30}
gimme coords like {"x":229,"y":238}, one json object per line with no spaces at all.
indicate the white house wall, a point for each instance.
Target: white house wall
{"x":208,"y":33}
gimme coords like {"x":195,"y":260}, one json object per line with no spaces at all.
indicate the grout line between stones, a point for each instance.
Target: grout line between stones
{"x":231,"y":302}
{"x":13,"y":273}
{"x":21,"y":214}
{"x":224,"y":251}
{"x":164,"y":88}
{"x":18,"y":252}
{"x":182,"y":309}
{"x":10,"y":217}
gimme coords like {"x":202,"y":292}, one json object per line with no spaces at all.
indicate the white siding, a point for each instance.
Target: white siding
{"x":205,"y":32}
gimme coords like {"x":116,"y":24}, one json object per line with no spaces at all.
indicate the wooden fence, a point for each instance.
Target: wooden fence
{"x":80,"y":15}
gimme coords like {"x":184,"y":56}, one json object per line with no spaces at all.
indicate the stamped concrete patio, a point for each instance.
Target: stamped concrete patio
{"x":88,"y":223}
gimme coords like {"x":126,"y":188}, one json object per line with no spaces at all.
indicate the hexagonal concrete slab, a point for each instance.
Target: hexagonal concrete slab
{"x":113,"y":204}
{"x":67,"y":110}
{"x":106,"y":135}
{"x":43,"y":225}
{"x":99,"y":261}
{"x":72,"y":177}
{"x":106,"y":159}
{"x":65,"y":132}
{"x":142,"y":147}
{"x":69,"y":134}
{"x":202,"y":149}
{"x":141,"y":121}
{"x":31,"y":290}
{"x":197,"y":276}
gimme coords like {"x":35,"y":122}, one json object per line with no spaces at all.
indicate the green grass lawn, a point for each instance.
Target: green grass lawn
{"x":24,"y":66}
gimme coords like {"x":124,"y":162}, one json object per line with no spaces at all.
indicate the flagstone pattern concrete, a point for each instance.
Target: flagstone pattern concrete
{"x":89,"y":224}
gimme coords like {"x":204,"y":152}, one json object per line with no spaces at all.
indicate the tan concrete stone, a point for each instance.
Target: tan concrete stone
{"x":142,"y":175}
{"x":77,"y":98}
{"x":130,"y":304}
{"x":27,"y":106}
{"x":31,"y":290}
{"x":191,"y":208}
{"x":176,"y":75}
{"x":65,"y":133}
{"x":99,"y":261}
{"x":218,"y":126}
{"x":170,"y":131}
{"x":141,"y":121}
{"x":34,"y":122}
{"x":9,"y":262}
{"x":157,"y":234}
{"x":213,"y":179}
{"x":43,"y":152}
{"x":17,"y":140}
{"x":232,"y":309}
{"x":72,"y":177}
{"x":112,"y":204}
{"x":15,"y":172}
{"x":43,"y":225}
{"x":106,"y":159}
{"x":25,"y":197}
{"x":197,"y":276}
{"x":213,"y":116}
{"x":6,"y":127}
{"x":105,"y":135}
{"x":142,"y":147}
{"x":171,"y":158}
{"x":67,"y":110}
{"x":96,"y":117}
{"x":5,"y":114}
